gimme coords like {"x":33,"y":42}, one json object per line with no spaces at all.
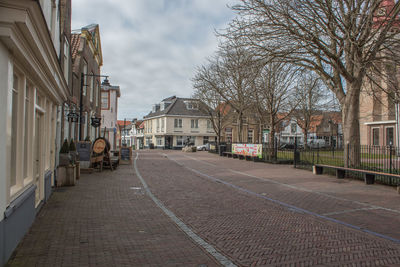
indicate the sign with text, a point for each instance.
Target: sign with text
{"x":254,"y":150}
{"x":84,"y":149}
{"x":126,"y":155}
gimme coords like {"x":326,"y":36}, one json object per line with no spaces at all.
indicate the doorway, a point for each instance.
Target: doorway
{"x":168,"y":142}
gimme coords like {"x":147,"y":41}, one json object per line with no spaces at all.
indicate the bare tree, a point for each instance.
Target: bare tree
{"x":311,"y":97}
{"x":273,"y":90}
{"x":338,"y":40}
{"x":235,"y":69}
{"x":205,"y":89}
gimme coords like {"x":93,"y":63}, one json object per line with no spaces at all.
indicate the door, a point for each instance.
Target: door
{"x":38,"y":158}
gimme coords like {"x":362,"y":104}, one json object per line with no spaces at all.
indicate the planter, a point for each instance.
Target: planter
{"x":64,"y":159}
{"x":74,"y":156}
{"x":78,"y":169}
{"x":70,"y":175}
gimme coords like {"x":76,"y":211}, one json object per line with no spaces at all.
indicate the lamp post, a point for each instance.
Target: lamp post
{"x":81,"y":99}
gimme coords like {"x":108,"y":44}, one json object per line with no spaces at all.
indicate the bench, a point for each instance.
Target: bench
{"x":369,"y":176}
{"x":228,"y":154}
{"x":239,"y":156}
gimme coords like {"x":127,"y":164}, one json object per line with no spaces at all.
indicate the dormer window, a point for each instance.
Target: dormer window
{"x":191,"y":105}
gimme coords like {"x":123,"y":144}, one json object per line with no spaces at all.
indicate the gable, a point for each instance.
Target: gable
{"x":92,"y":35}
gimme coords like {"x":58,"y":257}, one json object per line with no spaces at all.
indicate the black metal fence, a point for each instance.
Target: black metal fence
{"x":385,"y":159}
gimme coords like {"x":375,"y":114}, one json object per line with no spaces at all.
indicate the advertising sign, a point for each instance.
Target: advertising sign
{"x":254,"y":150}
{"x":126,"y":155}
{"x":84,"y":149}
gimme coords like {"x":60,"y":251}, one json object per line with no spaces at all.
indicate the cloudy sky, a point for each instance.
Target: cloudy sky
{"x":151,"y":48}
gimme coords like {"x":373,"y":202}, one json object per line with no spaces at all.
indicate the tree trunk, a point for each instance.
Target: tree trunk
{"x":272,"y":150}
{"x":240,"y":126}
{"x":351,"y":125}
{"x":305,"y":139}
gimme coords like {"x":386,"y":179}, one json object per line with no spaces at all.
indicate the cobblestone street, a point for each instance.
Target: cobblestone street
{"x":199,"y":209}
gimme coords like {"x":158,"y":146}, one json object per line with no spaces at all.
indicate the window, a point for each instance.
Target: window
{"x":205,"y":140}
{"x":66,"y":60}
{"x":195,"y":124}
{"x":91,"y":87}
{"x":191,"y":105}
{"x":158,"y":125}
{"x":178,"y":123}
{"x":250,"y":136}
{"x":375,"y":136}
{"x":179,"y":140}
{"x":105,"y":100}
{"x":14,"y":124}
{"x":209,"y":124}
{"x":389,"y":136}
{"x":293,"y":128}
{"x":85,"y":69}
{"x":162,"y":124}
{"x":228,"y":135}
{"x":159,"y":141}
{"x":27,"y":134}
{"x":96,"y":94}
{"x":148,"y":141}
{"x":244,"y":119}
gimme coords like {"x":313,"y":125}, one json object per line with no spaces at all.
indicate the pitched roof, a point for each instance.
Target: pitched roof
{"x":178,"y":107}
{"x":75,"y":43}
{"x":123,"y":122}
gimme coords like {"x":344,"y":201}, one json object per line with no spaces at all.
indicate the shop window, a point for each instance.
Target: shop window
{"x":179,"y":140}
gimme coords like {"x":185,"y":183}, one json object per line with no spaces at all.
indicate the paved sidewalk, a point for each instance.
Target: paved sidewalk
{"x":106,"y":220}
{"x":373,"y":207}
{"x":261,"y":221}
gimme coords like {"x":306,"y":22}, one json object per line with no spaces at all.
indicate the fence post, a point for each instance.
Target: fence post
{"x":390,"y":157}
{"x":348,"y":154}
{"x":295,"y":152}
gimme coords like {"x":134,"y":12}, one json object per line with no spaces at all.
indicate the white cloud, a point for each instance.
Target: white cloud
{"x":152,"y":47}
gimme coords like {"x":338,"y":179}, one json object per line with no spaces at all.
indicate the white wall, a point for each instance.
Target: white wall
{"x":5,"y":83}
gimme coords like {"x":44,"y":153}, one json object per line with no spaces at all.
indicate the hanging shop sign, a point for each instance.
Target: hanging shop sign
{"x":95,"y":122}
{"x":73,"y":116}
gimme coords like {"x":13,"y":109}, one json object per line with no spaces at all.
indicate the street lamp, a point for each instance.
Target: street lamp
{"x":81,"y":99}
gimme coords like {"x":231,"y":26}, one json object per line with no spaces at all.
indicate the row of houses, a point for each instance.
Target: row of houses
{"x":175,"y":122}
{"x":50,"y":90}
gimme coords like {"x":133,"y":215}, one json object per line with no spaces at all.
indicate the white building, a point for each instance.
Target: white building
{"x":109,"y":112}
{"x":32,"y":89}
{"x":176,"y":121}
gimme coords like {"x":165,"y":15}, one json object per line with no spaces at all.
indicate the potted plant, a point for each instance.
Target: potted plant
{"x":65,"y":158}
{"x":75,"y":157}
{"x":72,"y":151}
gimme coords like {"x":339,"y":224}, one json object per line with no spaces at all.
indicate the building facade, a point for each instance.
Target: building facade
{"x":33,"y":88}
{"x":85,"y":98}
{"x":175,"y":122}
{"x":109,"y":113}
{"x":251,"y":129}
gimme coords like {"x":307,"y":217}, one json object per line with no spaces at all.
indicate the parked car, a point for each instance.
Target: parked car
{"x":316,"y":143}
{"x":204,"y":147}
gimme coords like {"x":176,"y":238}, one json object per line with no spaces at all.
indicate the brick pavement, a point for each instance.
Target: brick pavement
{"x":106,"y":220}
{"x":374,"y":207}
{"x":256,"y":232}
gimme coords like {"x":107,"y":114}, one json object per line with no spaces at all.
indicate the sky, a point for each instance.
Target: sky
{"x":151,"y":48}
